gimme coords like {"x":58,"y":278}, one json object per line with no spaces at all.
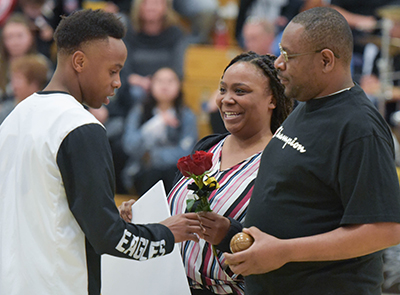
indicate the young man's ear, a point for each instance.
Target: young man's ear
{"x":78,"y":61}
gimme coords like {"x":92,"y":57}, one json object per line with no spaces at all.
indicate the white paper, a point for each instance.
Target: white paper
{"x":161,"y":275}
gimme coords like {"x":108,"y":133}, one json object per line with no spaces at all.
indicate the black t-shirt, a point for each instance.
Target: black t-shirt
{"x":330,"y":164}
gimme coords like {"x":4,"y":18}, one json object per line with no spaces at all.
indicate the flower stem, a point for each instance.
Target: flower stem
{"x":214,"y":249}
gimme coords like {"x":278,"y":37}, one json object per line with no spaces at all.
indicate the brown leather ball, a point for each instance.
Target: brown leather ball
{"x":241,"y":241}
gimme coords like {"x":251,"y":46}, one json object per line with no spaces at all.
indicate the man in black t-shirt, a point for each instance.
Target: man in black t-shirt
{"x":327,"y":198}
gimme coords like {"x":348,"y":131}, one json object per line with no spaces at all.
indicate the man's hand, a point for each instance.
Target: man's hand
{"x":266,"y":254}
{"x":184,"y":227}
{"x":125,"y":210}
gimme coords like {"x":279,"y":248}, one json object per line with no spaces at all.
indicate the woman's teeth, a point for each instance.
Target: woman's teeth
{"x":231,"y":114}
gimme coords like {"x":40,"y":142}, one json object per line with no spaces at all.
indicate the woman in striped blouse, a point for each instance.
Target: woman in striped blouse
{"x":252,"y":106}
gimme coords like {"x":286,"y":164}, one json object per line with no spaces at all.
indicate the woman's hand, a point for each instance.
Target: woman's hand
{"x":215,"y":227}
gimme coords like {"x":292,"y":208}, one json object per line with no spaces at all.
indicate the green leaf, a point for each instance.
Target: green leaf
{"x":189,"y":204}
{"x":203,"y":206}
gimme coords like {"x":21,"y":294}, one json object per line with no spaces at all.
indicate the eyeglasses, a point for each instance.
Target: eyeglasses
{"x":286,"y":56}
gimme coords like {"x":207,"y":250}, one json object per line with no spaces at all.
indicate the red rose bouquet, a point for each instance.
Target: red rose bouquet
{"x":196,"y":166}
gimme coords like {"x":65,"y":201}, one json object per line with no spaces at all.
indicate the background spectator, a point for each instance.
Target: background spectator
{"x":42,"y":23}
{"x":16,"y":40}
{"x":154,"y":40}
{"x":362,"y":16}
{"x":29,"y":74}
{"x":201,"y":15}
{"x":258,"y":35}
{"x":157,"y":134}
{"x":279,"y":12}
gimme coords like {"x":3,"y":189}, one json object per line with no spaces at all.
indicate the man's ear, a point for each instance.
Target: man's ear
{"x":328,"y":60}
{"x":78,"y":61}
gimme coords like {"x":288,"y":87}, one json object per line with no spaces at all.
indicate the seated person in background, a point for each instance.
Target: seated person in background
{"x":154,"y":40}
{"x":28,"y":75}
{"x":157,"y":134}
{"x":253,"y":106}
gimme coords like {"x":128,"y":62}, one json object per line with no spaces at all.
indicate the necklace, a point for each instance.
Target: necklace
{"x":337,"y":92}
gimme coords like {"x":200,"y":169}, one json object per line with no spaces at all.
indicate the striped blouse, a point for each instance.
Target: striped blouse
{"x":230,"y":200}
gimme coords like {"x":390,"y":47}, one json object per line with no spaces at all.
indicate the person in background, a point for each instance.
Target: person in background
{"x":157,"y":134}
{"x":201,"y":15}
{"x":258,"y":35}
{"x":326,"y":199}
{"x":57,"y":188}
{"x":253,"y":106}
{"x":40,"y":16}
{"x":16,"y":40}
{"x":154,"y":40}
{"x":28,"y":74}
{"x":278,"y":12}
{"x":363,"y":19}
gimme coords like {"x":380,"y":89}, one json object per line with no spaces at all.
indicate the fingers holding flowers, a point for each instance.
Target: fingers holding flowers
{"x":184,"y":227}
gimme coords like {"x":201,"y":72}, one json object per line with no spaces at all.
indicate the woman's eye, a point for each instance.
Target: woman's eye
{"x":222,"y":90}
{"x":240,"y":91}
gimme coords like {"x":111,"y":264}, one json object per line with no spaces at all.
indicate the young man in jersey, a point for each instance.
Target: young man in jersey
{"x":57,"y":212}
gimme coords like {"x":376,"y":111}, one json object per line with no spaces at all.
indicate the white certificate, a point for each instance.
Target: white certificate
{"x":161,"y":275}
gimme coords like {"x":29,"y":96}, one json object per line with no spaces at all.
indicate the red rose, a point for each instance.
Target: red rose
{"x":195,"y":164}
{"x":184,"y":165}
{"x":203,"y":159}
